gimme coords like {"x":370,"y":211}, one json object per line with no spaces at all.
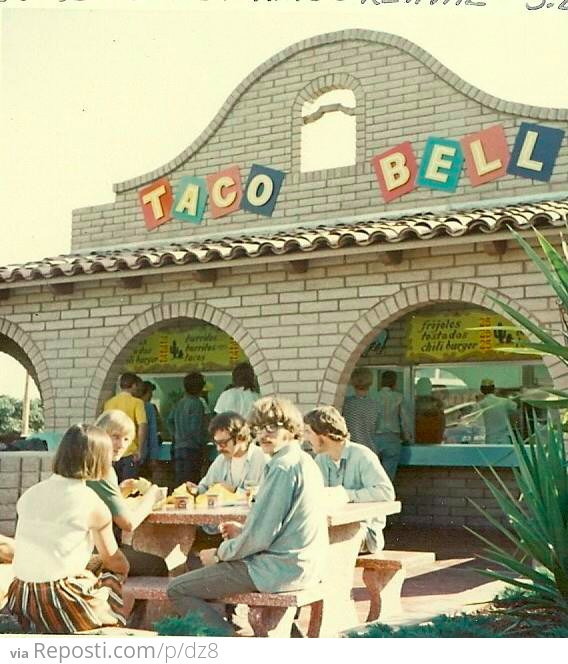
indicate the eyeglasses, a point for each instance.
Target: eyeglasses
{"x":267,"y":428}
{"x":222,"y":443}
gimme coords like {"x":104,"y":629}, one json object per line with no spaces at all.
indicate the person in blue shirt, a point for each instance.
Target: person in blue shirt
{"x":283,"y":544}
{"x":187,"y":425}
{"x":149,"y":459}
{"x":352,"y":470}
{"x":238,"y":464}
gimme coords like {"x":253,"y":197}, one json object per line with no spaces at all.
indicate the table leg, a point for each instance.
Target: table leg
{"x":161,"y":539}
{"x":339,"y":609}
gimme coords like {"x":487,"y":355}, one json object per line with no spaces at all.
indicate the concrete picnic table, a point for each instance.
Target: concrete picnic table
{"x":163,"y":530}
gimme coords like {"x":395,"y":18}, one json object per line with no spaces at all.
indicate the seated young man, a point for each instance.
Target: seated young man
{"x":353,"y":469}
{"x":282,"y":546}
{"x":238,"y":462}
{"x":121,"y":430}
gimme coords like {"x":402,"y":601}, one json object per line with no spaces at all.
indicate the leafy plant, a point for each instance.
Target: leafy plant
{"x":537,"y":521}
{"x":193,"y":624}
{"x":555,"y":268}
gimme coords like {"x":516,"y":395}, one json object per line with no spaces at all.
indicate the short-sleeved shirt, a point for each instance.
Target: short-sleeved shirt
{"x":134,"y":408}
{"x":109,"y":492}
{"x":236,"y":399}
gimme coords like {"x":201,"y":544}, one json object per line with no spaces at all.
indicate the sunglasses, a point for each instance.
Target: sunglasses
{"x":267,"y":428}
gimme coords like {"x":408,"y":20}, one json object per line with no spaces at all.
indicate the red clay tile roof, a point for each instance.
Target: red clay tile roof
{"x":425,"y":226}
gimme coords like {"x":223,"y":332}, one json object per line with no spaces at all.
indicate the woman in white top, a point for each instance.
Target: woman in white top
{"x":59,"y":521}
{"x":239,"y":398}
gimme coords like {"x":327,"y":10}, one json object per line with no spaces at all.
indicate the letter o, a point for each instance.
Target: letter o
{"x":261,"y":182}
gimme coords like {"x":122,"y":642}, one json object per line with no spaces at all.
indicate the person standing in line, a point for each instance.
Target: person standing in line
{"x":353,"y":471}
{"x":59,"y":520}
{"x":133,"y":407}
{"x":283,"y":544}
{"x":360,"y":410}
{"x":240,"y":397}
{"x":392,"y":426}
{"x":187,"y":425}
{"x":496,"y":412}
{"x":153,"y":445}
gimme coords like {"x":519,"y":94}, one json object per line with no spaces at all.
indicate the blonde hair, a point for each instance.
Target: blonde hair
{"x":84,"y":453}
{"x":276,"y":411}
{"x":115,"y":421}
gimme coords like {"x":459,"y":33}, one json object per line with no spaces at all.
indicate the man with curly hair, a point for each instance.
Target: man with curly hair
{"x":283,"y":544}
{"x":353,"y":471}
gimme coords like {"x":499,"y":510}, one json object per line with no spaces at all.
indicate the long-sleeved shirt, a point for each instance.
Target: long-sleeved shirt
{"x":220,"y":470}
{"x":360,"y":413}
{"x":392,"y":414}
{"x":284,"y":541}
{"x":496,"y":412}
{"x":187,"y":423}
{"x":364,"y":479}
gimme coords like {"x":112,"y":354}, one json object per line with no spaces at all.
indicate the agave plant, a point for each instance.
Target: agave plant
{"x":555,"y":269}
{"x":537,"y":521}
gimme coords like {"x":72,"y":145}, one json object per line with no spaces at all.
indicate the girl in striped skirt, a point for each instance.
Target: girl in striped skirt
{"x":59,"y":521}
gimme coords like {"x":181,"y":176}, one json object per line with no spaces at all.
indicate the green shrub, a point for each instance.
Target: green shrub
{"x":192,"y":624}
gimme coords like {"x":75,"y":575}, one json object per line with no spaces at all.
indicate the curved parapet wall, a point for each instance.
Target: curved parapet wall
{"x":403,"y":94}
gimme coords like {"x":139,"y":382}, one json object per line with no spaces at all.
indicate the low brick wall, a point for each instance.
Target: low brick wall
{"x":438,"y":496}
{"x":18,"y":472}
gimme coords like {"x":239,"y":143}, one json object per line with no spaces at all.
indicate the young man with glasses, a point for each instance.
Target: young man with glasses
{"x":239,"y":463}
{"x":282,"y":546}
{"x":353,"y":471}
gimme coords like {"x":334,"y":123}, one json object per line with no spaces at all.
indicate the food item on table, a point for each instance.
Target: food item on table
{"x":139,"y":487}
{"x":224,"y":497}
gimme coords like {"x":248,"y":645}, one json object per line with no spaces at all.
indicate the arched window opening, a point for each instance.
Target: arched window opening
{"x":329,"y":131}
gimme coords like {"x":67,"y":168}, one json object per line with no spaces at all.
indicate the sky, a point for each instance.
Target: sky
{"x":94,"y":92}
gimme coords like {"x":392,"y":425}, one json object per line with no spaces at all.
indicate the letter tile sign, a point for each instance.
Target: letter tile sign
{"x":535,"y":151}
{"x":486,"y":155}
{"x":396,"y":171}
{"x":262,"y":189}
{"x":441,"y":164}
{"x":191,"y":199}
{"x":224,"y":192}
{"x":156,"y":200}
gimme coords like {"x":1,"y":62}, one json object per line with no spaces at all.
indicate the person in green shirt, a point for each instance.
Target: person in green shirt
{"x":121,"y":430}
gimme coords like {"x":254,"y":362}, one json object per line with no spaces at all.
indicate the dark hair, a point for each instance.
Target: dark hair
{"x":388,"y":379}
{"x":232,"y":422}
{"x":193,"y":383}
{"x":243,"y":376}
{"x":327,"y":421}
{"x":487,"y":389}
{"x":276,"y":411}
{"x":84,"y":453}
{"x":146,"y":387}
{"x":128,"y":380}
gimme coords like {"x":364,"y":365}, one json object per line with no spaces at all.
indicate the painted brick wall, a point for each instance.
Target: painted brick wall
{"x":18,"y":472}
{"x":302,"y":332}
{"x":402,"y":94}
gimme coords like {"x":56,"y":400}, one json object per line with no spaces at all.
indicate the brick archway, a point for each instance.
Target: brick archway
{"x":405,"y":301}
{"x":108,"y":370}
{"x":23,"y":349}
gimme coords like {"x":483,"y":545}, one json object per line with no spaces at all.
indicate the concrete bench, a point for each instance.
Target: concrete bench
{"x":265,"y":609}
{"x":384,"y":573}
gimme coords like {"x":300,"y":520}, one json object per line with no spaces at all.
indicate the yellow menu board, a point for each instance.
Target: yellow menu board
{"x":449,"y":337}
{"x":178,"y":350}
